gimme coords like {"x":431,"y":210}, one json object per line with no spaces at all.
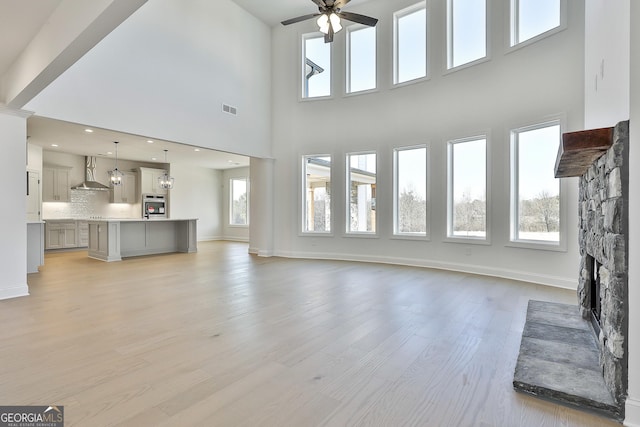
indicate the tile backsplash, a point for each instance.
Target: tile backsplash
{"x":86,"y":204}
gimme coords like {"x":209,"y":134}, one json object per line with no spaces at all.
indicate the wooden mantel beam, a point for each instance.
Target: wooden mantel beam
{"x":580,"y":149}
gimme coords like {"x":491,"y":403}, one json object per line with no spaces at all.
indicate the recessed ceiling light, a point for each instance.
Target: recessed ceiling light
{"x":54,"y":145}
{"x":109,"y":152}
{"x":153,"y":158}
{"x":88,"y":130}
{"x":196,"y":149}
{"x":149,"y":141}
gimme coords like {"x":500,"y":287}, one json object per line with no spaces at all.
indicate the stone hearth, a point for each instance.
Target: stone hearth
{"x":562,"y":347}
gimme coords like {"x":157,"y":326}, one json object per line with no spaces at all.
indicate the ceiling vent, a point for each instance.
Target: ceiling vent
{"x":229,"y":109}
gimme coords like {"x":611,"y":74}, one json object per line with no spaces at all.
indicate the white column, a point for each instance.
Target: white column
{"x":13,"y":225}
{"x":632,"y":410}
{"x":261,"y":206}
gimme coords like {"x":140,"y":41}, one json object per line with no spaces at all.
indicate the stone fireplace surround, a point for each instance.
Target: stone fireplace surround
{"x":603,"y":242}
{"x":578,"y":355}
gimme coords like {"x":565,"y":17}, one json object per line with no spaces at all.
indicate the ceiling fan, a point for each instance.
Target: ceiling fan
{"x":329,"y":13}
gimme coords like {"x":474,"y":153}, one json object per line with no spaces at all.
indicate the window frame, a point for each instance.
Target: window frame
{"x":448,"y":51}
{"x":347,"y":208}
{"x":231,"y":194}
{"x":561,"y":245}
{"x":513,"y":43}
{"x":411,"y":235}
{"x":397,"y":15}
{"x":303,"y":81}
{"x":449,"y":236}
{"x":303,"y":194}
{"x":347,"y":81}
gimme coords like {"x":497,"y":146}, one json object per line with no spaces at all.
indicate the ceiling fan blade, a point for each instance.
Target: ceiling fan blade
{"x":300,"y":18}
{"x":339,"y":4}
{"x":360,"y":19}
{"x":329,"y":3}
{"x":320,"y":3}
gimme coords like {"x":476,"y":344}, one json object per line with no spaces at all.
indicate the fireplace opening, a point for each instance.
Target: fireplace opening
{"x":594,"y":290}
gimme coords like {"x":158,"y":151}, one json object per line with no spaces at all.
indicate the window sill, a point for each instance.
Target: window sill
{"x":468,"y":240}
{"x":465,"y":66}
{"x":422,"y":238}
{"x":411,"y":82}
{"x":361,"y":92}
{"x":315,"y":234}
{"x":537,"y":245}
{"x":535,"y":39}
{"x":239,"y":225}
{"x":364,"y":235}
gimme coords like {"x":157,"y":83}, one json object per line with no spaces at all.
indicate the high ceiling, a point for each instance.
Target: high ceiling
{"x":276,"y":11}
{"x":19,"y":23}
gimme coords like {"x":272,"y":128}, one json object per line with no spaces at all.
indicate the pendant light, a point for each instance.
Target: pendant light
{"x":165,"y":181}
{"x":115,"y":174}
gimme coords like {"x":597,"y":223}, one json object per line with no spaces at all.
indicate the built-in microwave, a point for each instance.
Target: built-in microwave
{"x":154,"y":206}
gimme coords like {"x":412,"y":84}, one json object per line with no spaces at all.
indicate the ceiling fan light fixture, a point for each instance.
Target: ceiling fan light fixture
{"x":335,"y":22}
{"x":323,"y":23}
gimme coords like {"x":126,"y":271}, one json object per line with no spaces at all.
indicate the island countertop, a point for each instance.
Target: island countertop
{"x":111,"y":239}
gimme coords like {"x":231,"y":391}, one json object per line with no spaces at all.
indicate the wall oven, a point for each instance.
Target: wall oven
{"x":154,"y":206}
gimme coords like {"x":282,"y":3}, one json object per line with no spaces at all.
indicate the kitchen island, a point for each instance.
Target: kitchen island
{"x":114,"y":239}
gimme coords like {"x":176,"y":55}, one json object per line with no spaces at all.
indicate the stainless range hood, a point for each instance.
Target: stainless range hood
{"x":90,"y":182}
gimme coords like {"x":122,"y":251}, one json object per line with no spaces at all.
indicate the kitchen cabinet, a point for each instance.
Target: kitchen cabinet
{"x":61,"y":234}
{"x":55,"y":184}
{"x":83,"y":233}
{"x":149,"y":181}
{"x":125,"y":192}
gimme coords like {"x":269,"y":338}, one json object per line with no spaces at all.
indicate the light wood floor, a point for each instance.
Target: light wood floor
{"x":222,"y":338}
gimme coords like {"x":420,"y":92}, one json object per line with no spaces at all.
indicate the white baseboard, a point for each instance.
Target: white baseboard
{"x":14,"y":292}
{"x":632,"y":413}
{"x":560,"y":282}
{"x":210,"y":238}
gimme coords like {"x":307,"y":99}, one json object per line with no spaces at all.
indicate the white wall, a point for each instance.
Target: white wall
{"x":13,"y":228}
{"x":633,"y":401}
{"x":233,"y":232}
{"x":521,"y":87}
{"x":165,"y":73}
{"x":197,"y":193}
{"x":606,"y":64}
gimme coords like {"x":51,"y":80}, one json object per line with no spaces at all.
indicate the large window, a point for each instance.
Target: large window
{"x":410,"y":43}
{"x":530,"y":18}
{"x":466,"y":31}
{"x":535,"y":194}
{"x":317,"y":194}
{"x":410,"y":191}
{"x":467,"y":188}
{"x":239,"y":201}
{"x":361,"y":193}
{"x":361,"y":58}
{"x":316,"y":66}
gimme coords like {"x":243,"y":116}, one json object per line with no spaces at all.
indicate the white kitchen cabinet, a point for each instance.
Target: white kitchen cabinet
{"x":83,"y":233}
{"x":149,"y":181}
{"x":55,"y":184}
{"x":61,"y":234}
{"x":125,"y":192}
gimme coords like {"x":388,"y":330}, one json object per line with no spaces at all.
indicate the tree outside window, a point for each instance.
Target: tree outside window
{"x":239,"y":214}
{"x":467,"y":189}
{"x":317,"y":194}
{"x":410,"y":189}
{"x":535,"y":190}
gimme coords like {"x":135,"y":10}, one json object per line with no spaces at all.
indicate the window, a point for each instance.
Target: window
{"x":316,"y":66}
{"x":466,"y":31}
{"x":317,"y":194}
{"x":410,"y":43}
{"x":530,"y":18}
{"x":361,"y":58}
{"x":239,"y":206}
{"x":361,"y":193}
{"x":467,"y":188}
{"x":410,"y":191}
{"x":535,"y":192}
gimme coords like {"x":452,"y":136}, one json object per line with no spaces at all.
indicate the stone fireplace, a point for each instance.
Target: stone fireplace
{"x":578,"y":355}
{"x":603,"y":240}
